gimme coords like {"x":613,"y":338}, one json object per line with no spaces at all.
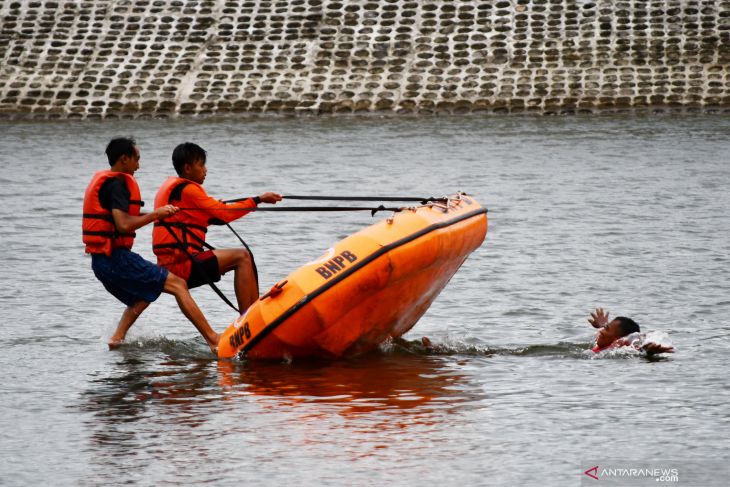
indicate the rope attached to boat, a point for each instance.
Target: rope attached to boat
{"x":351,"y":198}
{"x":372,"y":209}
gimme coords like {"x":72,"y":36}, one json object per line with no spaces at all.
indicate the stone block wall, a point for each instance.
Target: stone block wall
{"x":163,"y":58}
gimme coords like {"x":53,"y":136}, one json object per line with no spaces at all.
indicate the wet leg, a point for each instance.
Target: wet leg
{"x":179,"y":288}
{"x":129,"y":316}
{"x":244,"y":280}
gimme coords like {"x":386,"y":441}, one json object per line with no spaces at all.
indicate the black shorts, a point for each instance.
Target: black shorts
{"x":206,"y":264}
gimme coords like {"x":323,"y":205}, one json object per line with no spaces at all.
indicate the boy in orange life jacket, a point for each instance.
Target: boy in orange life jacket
{"x":111,"y":215}
{"x":183,"y":235}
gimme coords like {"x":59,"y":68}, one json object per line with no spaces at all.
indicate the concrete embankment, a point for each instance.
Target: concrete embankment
{"x":165,"y":58}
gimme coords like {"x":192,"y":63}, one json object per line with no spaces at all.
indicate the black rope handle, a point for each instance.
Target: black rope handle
{"x":253,"y":261}
{"x":371,"y":209}
{"x":363,"y":198}
{"x":350,"y":198}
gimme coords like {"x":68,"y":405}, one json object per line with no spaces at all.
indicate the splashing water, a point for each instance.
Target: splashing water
{"x":658,"y":338}
{"x":633,"y":345}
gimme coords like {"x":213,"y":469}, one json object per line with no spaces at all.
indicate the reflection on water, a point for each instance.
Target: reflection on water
{"x":380,"y":381}
{"x":150,"y":396}
{"x":413,"y":385}
{"x":162,"y":385}
{"x":136,"y":390}
{"x":410,"y":376}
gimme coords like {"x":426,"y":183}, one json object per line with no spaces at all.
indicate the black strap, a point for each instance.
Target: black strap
{"x":108,"y":234}
{"x":196,"y":263}
{"x":184,"y":226}
{"x":176,"y":192}
{"x":253,"y":262}
{"x":248,"y":249}
{"x":99,"y":216}
{"x":183,"y":243}
{"x":197,"y":248}
{"x":372,"y":209}
{"x":176,"y":195}
{"x":363,"y":198}
{"x":200,"y":241}
{"x":351,"y":198}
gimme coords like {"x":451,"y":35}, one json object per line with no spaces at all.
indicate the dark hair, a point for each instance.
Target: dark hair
{"x":121,"y":146}
{"x":186,"y":153}
{"x":628,"y":326}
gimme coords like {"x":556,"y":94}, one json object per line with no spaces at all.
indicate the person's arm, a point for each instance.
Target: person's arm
{"x":598,"y":318}
{"x":127,"y":223}
{"x":115,"y":196}
{"x":269,"y":197}
{"x":226,"y":212}
{"x":655,"y":348}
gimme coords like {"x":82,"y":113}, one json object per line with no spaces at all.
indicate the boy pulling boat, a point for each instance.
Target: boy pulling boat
{"x":179,"y":241}
{"x":111,"y":214}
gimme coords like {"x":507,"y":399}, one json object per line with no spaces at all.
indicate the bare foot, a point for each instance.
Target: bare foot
{"x":426,"y":342}
{"x":214,"y":344}
{"x":114,"y":344}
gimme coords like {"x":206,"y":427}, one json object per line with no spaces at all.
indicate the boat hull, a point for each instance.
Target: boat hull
{"x":370,"y":286}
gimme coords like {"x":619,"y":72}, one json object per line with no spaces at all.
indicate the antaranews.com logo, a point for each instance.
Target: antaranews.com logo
{"x":686,"y":472}
{"x":658,"y":474}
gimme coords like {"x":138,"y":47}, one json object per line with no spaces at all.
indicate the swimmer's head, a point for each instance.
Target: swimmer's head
{"x":617,"y":328}
{"x":628,"y":326}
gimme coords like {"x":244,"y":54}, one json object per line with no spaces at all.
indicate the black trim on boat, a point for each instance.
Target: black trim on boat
{"x":383,"y":250}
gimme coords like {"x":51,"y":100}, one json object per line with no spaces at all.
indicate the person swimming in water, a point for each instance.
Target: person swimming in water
{"x":622,"y":332}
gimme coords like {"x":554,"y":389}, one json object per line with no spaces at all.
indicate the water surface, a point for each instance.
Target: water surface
{"x":625,"y":212}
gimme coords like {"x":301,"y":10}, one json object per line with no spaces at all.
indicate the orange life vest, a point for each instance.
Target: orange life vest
{"x":99,"y":232}
{"x":184,"y":231}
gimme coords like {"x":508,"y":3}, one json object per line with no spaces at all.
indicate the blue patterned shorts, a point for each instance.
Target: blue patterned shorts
{"x":129,"y":277}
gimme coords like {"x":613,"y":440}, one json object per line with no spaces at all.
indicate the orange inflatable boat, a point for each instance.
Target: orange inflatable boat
{"x":368,"y":287}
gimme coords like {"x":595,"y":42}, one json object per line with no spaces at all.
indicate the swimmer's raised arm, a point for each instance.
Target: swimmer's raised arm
{"x":598,"y":318}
